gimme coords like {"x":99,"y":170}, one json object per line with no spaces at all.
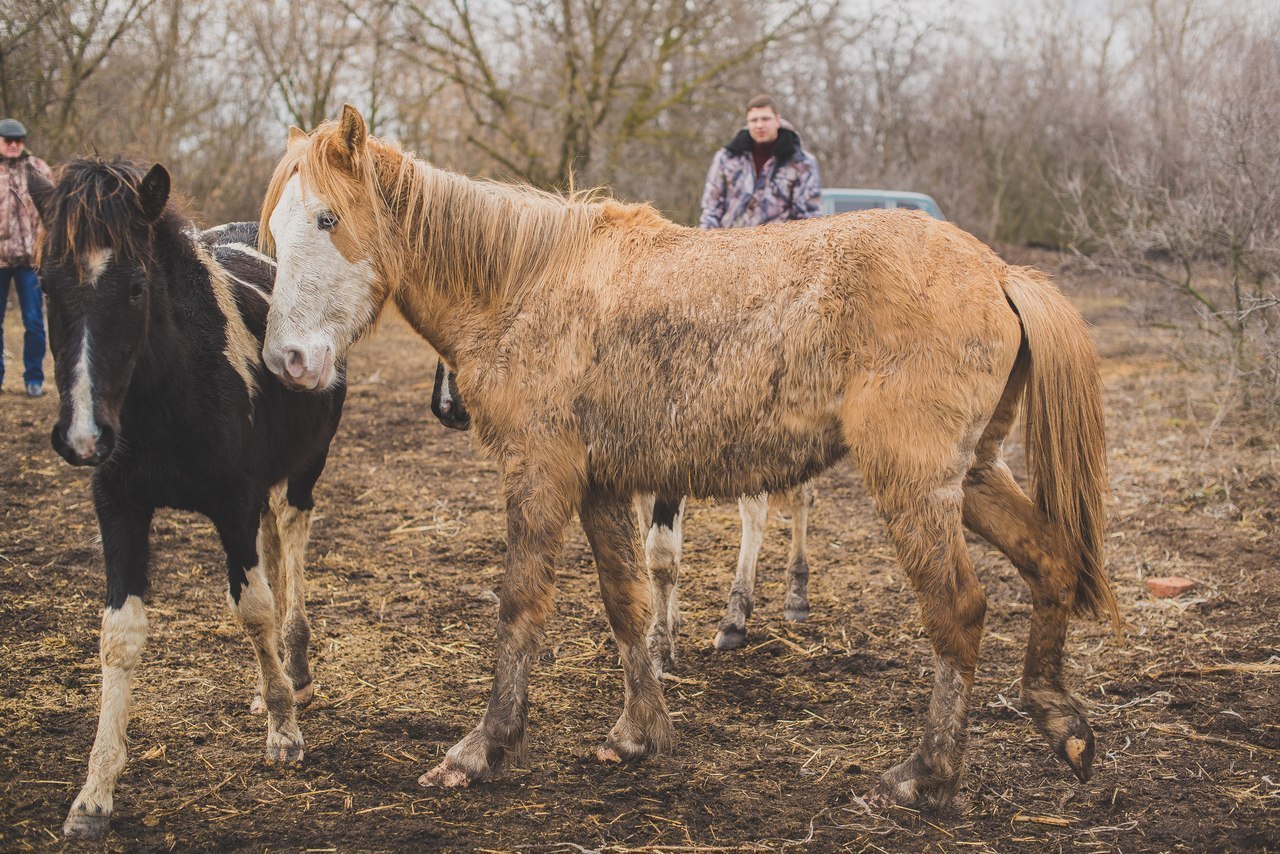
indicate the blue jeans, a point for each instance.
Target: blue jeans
{"x":31,"y":301}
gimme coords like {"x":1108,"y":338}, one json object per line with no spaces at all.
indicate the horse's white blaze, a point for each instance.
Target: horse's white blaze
{"x":83,"y":433}
{"x":95,"y":265}
{"x":322,"y":301}
{"x":124,"y":631}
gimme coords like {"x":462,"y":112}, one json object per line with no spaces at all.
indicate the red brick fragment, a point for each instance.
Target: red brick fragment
{"x":1167,"y":588}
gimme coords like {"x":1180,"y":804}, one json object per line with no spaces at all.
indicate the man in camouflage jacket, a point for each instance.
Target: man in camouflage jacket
{"x":19,"y":227}
{"x":762,"y":175}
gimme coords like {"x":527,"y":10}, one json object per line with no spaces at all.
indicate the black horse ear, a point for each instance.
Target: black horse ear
{"x":352,"y":131}
{"x":41,"y":192}
{"x":154,"y":192}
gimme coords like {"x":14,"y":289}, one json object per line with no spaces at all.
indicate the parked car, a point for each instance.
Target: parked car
{"x":835,"y":200}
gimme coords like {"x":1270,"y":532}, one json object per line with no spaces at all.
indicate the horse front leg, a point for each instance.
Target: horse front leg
{"x":742,"y":594}
{"x":645,"y":724}
{"x":539,"y":505}
{"x":125,"y":532}
{"x":661,"y":520}
{"x":253,"y":602}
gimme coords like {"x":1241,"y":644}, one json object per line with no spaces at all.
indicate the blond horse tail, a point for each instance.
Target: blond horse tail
{"x":1065,"y":434}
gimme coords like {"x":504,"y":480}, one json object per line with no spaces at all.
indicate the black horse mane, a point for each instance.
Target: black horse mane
{"x":96,"y":204}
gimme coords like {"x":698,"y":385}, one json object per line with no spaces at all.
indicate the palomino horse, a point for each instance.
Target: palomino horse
{"x":605,"y":352}
{"x":156,"y":331}
{"x":660,"y":522}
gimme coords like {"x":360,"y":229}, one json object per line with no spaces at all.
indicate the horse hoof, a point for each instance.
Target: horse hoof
{"x":1075,"y":747}
{"x":911,"y":784}
{"x":796,"y":615}
{"x":731,"y":637}
{"x":616,"y":751}
{"x":81,"y":824}
{"x":446,"y":775}
{"x":303,"y":696}
{"x":284,"y":754}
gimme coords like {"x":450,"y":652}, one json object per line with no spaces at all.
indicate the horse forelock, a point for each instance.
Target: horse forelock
{"x":96,"y":208}
{"x":470,"y":237}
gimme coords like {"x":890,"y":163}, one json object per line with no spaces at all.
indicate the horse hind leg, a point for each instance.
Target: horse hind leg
{"x":912,"y":460}
{"x":930,"y":545}
{"x":732,"y":633}
{"x":283,"y":532}
{"x":796,"y":605}
{"x":996,"y":509}
{"x":253,"y":602}
{"x":662,"y":519}
{"x":294,"y":522}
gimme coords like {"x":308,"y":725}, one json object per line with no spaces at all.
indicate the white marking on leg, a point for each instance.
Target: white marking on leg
{"x":663,"y":549}
{"x":83,"y":433}
{"x":256,"y":612}
{"x":754,"y":510}
{"x":124,"y":632}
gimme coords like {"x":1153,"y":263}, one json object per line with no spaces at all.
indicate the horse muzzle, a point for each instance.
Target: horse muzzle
{"x":304,"y":368}
{"x":83,"y":451}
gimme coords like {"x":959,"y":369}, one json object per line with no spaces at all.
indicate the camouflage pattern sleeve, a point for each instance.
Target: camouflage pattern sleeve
{"x":808,"y":194}
{"x":714,"y":197}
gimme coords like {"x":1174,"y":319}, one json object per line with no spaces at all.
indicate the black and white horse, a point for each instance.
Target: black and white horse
{"x":156,"y":332}
{"x":660,"y":521}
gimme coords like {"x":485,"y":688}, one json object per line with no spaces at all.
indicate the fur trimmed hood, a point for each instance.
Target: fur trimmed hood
{"x":784,"y":150}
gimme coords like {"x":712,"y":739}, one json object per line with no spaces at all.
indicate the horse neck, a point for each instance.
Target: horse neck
{"x":168,"y":344}
{"x":474,"y":244}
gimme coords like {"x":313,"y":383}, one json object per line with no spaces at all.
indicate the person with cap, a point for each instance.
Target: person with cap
{"x":763,"y":175}
{"x":19,"y":224}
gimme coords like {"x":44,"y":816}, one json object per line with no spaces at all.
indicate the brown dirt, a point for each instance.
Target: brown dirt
{"x":776,"y":741}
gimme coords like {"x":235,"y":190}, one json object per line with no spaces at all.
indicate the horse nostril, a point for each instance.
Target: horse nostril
{"x":106,"y":442}
{"x":295,"y":363}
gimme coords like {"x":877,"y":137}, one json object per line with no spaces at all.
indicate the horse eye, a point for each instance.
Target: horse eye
{"x":135,"y":291}
{"x":326,"y":221}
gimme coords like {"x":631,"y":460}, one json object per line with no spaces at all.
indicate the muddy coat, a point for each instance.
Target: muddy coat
{"x":19,"y":222}
{"x":786,"y":188}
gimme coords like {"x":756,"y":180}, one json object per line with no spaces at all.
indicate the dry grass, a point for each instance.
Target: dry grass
{"x":777,"y":742}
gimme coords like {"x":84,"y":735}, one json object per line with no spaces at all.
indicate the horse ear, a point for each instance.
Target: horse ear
{"x":296,"y":133}
{"x":352,"y":132}
{"x":154,"y":192}
{"x":41,"y":191}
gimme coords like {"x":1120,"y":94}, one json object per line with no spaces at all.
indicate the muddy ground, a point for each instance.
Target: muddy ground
{"x":776,"y":741}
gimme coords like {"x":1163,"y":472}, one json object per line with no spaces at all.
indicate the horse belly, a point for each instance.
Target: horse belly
{"x":735,"y":424}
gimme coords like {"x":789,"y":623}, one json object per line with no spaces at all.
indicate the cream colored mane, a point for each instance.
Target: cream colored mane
{"x":468,"y":237}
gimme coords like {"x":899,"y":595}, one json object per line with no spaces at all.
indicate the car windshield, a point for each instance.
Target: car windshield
{"x":846,"y":205}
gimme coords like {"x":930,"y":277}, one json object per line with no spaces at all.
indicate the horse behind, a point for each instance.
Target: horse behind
{"x":661,"y":522}
{"x":156,"y":333}
{"x":888,"y":337}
